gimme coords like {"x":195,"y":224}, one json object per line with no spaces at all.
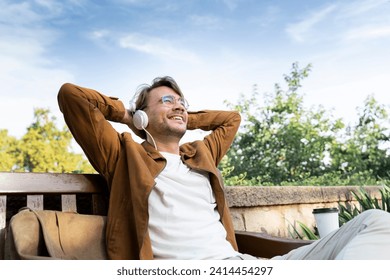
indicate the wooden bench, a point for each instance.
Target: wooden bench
{"x":85,"y":193}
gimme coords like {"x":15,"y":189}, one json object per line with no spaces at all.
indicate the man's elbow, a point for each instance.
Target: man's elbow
{"x":237,"y":117}
{"x":64,"y":93}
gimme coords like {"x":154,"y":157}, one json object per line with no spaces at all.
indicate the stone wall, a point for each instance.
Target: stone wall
{"x":274,"y":209}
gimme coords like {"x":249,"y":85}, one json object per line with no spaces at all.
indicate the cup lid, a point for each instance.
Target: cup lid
{"x":325,"y":210}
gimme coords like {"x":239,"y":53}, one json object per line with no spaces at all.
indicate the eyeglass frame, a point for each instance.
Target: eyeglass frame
{"x":172,"y":101}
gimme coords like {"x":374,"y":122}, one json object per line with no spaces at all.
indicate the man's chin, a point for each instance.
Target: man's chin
{"x":177,"y":132}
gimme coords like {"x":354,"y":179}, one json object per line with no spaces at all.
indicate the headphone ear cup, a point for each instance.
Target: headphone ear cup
{"x":140,"y":119}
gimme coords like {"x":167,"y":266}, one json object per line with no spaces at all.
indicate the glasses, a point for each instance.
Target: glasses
{"x":170,"y":101}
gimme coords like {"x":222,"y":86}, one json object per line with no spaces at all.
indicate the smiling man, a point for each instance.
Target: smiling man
{"x":166,"y":199}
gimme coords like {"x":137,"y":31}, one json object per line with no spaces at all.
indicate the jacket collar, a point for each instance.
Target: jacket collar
{"x":151,"y":151}
{"x":186,"y":151}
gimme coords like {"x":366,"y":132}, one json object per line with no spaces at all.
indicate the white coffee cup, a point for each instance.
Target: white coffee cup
{"x":327,"y":220}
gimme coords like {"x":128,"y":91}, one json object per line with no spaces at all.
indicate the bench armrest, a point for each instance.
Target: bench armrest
{"x":266,"y":246}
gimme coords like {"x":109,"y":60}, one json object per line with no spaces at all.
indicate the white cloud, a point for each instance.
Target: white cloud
{"x":368,"y":33}
{"x":361,"y":19}
{"x":163,"y":49}
{"x":364,"y":20}
{"x":231,"y":4}
{"x":19,"y":13}
{"x":53,"y":7}
{"x":28,"y":77}
{"x":206,"y":21}
{"x":353,"y":9}
{"x":298,"y":31}
{"x":101,"y":34}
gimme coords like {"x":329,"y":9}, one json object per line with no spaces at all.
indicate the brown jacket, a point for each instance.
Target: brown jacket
{"x":130,"y":168}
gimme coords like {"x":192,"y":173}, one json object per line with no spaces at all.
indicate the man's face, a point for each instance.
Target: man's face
{"x":166,"y":118}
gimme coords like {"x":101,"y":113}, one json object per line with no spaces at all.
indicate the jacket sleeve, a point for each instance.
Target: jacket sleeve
{"x":223,"y":126}
{"x":87,"y":114}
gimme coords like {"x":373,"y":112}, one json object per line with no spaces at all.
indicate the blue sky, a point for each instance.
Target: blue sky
{"x":215,"y":49}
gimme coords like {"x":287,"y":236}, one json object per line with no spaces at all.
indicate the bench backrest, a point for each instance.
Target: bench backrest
{"x":83,"y":193}
{"x":87,"y":193}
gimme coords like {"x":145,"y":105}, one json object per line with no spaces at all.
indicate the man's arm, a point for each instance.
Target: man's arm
{"x":87,"y":112}
{"x":224,"y":126}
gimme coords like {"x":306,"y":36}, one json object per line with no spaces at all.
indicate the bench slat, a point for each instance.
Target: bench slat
{"x":3,"y":216}
{"x":68,"y":203}
{"x":3,"y":210}
{"x":45,"y":183}
{"x":35,"y":202}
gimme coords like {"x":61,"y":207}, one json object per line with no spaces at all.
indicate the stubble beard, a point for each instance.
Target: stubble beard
{"x":175,"y":132}
{"x":169,"y":131}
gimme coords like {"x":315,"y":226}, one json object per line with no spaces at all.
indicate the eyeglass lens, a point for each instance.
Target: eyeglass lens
{"x":171,"y":100}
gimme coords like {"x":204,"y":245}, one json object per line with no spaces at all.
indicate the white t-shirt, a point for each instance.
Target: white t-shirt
{"x":183,"y":220}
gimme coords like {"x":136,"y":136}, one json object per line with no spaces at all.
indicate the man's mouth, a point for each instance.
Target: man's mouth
{"x":176,"y":118}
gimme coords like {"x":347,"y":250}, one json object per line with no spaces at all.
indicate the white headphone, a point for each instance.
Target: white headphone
{"x":140,"y":118}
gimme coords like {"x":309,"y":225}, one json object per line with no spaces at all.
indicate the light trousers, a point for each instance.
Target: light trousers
{"x":366,"y":237}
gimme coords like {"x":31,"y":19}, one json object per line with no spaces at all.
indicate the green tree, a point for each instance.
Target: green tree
{"x":44,"y":148}
{"x":8,"y":150}
{"x":366,"y":144}
{"x":282,"y":141}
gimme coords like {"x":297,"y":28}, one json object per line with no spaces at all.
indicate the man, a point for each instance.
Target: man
{"x":166,"y":199}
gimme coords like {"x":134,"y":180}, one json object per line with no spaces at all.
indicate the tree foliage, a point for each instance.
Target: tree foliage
{"x":8,"y":150}
{"x":281,"y":142}
{"x":44,"y":148}
{"x":366,"y":146}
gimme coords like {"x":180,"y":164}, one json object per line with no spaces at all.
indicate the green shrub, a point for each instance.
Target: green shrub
{"x":305,"y":233}
{"x":366,"y":202}
{"x":347,"y":213}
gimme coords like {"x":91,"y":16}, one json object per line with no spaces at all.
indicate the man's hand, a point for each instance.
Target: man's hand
{"x":128,"y":119}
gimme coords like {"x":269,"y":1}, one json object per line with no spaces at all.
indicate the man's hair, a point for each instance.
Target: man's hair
{"x":144,"y":90}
